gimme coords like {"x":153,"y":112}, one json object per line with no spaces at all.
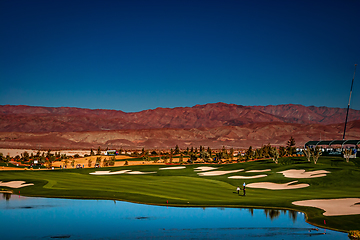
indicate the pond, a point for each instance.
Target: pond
{"x":54,"y":218}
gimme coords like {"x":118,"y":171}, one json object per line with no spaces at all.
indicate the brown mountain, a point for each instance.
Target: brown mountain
{"x":254,"y":134}
{"x":46,"y":119}
{"x":301,"y":114}
{"x":213,"y":125}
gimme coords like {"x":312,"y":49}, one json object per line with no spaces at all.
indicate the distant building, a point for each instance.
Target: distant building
{"x":111,"y":153}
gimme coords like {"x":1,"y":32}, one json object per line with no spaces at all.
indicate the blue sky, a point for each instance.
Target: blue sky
{"x":136,"y":55}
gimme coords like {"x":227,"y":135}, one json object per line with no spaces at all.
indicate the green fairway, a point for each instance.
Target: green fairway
{"x":184,"y":187}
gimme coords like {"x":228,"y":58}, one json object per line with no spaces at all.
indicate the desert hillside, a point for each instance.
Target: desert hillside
{"x":213,"y":125}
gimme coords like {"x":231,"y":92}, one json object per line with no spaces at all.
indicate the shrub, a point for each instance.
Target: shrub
{"x":354,"y":234}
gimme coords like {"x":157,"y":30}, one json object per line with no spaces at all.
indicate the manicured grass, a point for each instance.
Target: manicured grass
{"x":185,"y":188}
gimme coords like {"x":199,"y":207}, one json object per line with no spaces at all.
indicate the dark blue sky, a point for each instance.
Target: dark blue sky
{"x":135,"y":55}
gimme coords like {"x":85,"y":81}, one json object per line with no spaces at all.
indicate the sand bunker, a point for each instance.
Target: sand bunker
{"x":201,"y":169}
{"x":119,"y":172}
{"x":172,"y":168}
{"x":264,"y":170}
{"x":109,"y":173}
{"x":300,"y":173}
{"x":219,"y":173}
{"x":277,"y":186}
{"x":247,"y":177}
{"x":333,"y":207}
{"x":138,"y":172}
{"x":15,"y":184}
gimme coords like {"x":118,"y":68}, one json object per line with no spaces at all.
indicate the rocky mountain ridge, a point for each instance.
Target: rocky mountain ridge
{"x":65,"y":119}
{"x":214,"y":125}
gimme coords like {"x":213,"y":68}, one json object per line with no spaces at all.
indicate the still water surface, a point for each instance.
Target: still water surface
{"x":53,"y":218}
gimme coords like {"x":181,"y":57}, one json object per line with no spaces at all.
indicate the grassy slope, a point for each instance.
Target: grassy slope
{"x":185,"y":187}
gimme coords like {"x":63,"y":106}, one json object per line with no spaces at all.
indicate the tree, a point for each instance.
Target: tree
{"x":240,"y":157}
{"x":171,"y":155}
{"x":89,"y":162}
{"x":66,"y":162}
{"x":231,"y":154}
{"x":181,"y":158}
{"x":105,"y":162}
{"x":98,"y":160}
{"x":193,"y":157}
{"x":347,"y":154}
{"x":290,"y":146}
{"x":204,"y":156}
{"x":316,"y":152}
{"x":48,"y":154}
{"x":98,"y":151}
{"x":209,"y":151}
{"x":38,"y":153}
{"x":266,"y":151}
{"x":249,"y":154}
{"x":92,"y":152}
{"x":274,"y":154}
{"x":177,"y":150}
{"x":26,"y":156}
{"x":73,"y":163}
{"x":307,"y":153}
{"x":282,"y":151}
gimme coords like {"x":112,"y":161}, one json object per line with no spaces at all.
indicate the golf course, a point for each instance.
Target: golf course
{"x":268,"y":185}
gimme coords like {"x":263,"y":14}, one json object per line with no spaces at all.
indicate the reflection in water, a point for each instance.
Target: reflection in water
{"x":122,"y":220}
{"x":251,"y":211}
{"x":7,"y":196}
{"x":293,"y":215}
{"x":274,"y":213}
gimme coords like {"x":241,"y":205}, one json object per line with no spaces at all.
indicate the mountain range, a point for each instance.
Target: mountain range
{"x":214,"y":125}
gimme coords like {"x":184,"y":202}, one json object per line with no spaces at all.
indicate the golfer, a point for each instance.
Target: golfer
{"x":238,"y":190}
{"x":244,"y":188}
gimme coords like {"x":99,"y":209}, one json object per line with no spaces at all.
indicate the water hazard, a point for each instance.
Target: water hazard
{"x":53,"y":218}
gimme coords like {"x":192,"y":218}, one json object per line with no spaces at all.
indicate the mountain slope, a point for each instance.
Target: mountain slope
{"x":45,"y":119}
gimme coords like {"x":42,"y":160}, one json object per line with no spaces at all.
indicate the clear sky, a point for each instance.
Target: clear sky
{"x":134,"y":55}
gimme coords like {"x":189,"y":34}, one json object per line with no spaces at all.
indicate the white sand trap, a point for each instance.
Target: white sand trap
{"x":119,"y":172}
{"x":138,"y":172}
{"x":201,"y":169}
{"x":300,"y":173}
{"x":277,"y":186}
{"x":264,"y":170}
{"x":333,"y":207}
{"x":247,"y":177}
{"x":172,"y":168}
{"x":219,"y":173}
{"x":15,"y":184}
{"x":109,"y":173}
